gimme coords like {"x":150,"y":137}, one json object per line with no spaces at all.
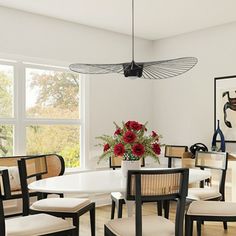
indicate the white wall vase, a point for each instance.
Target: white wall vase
{"x":130,"y":165}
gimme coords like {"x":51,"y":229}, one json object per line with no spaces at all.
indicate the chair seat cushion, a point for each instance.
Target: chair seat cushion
{"x":34,"y":225}
{"x":203,"y":193}
{"x":60,"y":204}
{"x":212,"y":208}
{"x":153,"y":225}
{"x":117,"y":196}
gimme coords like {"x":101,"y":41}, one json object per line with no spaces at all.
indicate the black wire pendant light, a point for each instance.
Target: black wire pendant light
{"x":146,"y":70}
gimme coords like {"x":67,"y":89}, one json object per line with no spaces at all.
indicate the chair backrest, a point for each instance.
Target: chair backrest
{"x":174,"y":151}
{"x":215,"y":161}
{"x":55,"y":167}
{"x":30,"y":167}
{"x":158,"y":185}
{"x":115,"y":162}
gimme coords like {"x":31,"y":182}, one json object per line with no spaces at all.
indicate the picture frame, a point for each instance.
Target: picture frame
{"x":225,"y":106}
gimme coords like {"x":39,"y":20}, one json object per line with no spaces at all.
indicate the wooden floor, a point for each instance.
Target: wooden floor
{"x":103,"y":215}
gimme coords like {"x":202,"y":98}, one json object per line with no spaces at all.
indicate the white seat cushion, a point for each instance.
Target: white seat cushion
{"x":153,"y":225}
{"x":117,"y":195}
{"x":203,"y":193}
{"x":212,"y":208}
{"x":35,"y":225}
{"x":60,"y":204}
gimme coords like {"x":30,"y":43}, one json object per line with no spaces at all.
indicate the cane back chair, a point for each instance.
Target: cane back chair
{"x":35,"y":167}
{"x":151,"y":186}
{"x":40,"y":224}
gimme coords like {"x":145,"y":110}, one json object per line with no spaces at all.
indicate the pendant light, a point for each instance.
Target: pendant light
{"x":145,"y":70}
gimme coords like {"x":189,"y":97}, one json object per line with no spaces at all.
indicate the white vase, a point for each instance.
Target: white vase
{"x":130,"y":165}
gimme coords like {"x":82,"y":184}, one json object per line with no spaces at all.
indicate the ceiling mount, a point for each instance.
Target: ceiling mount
{"x":146,"y":70}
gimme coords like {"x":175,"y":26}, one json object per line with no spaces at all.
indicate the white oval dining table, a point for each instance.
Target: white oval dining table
{"x":100,"y":181}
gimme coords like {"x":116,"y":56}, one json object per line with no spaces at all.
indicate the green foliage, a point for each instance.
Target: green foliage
{"x":6,"y":131}
{"x":71,"y":155}
{"x":57,"y":97}
{"x":6,"y":140}
{"x":6,"y":87}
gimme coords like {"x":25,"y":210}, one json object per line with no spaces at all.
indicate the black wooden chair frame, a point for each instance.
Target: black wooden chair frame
{"x":173,"y":157}
{"x":200,"y":219}
{"x":26,"y":199}
{"x":6,"y":182}
{"x":3,"y":196}
{"x":139,"y":199}
{"x":121,"y":202}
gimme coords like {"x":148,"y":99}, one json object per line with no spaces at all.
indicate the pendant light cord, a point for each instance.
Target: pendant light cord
{"x":132,"y":30}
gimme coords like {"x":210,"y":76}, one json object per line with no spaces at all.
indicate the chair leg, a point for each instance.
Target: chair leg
{"x":92,"y":221}
{"x":166,"y":209}
{"x":159,"y":208}
{"x":120,"y":209}
{"x":225,"y":225}
{"x":188,"y":226}
{"x":199,"y":227}
{"x":76,"y":224}
{"x":113,"y":206}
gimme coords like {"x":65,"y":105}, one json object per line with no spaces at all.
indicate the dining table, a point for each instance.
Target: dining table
{"x":99,"y":181}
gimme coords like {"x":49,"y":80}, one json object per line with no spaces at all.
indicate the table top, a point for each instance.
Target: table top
{"x":105,"y":181}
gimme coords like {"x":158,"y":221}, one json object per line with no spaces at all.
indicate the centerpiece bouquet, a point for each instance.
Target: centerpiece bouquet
{"x":130,"y":142}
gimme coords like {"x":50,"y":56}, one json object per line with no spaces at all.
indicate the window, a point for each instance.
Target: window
{"x":40,"y":111}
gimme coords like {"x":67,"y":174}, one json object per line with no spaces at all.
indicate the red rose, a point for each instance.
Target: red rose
{"x":154,"y":134}
{"x":129,"y":137}
{"x":119,"y":149}
{"x":138,"y":150}
{"x":118,"y":132}
{"x":127,"y":124}
{"x":135,"y":125}
{"x":156,"y":148}
{"x":106,"y":147}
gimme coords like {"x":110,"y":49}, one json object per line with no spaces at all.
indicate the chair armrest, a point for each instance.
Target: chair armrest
{"x":5,"y":188}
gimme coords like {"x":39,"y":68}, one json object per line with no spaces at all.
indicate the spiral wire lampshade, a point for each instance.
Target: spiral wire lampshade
{"x":146,"y":70}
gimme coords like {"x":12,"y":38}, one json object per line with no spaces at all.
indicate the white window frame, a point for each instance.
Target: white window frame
{"x":19,"y":119}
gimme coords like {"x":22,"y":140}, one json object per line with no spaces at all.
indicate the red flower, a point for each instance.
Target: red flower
{"x":129,"y":137}
{"x":106,"y":147}
{"x":154,"y":134}
{"x":135,"y":125}
{"x":138,"y":150}
{"x":119,"y":149}
{"x":118,"y":132}
{"x":127,"y":124}
{"x":156,"y":148}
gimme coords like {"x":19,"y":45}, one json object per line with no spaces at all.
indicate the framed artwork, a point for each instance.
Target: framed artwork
{"x":225,"y":106}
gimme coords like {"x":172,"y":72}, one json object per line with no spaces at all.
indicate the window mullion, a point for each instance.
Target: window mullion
{"x":20,"y":129}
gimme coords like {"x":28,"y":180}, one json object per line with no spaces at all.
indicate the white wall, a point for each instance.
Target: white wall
{"x":111,"y":97}
{"x":184,"y":106}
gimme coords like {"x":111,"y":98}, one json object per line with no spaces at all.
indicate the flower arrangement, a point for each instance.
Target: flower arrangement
{"x":130,"y":142}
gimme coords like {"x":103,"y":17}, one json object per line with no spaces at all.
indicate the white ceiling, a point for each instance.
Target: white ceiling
{"x":154,"y":19}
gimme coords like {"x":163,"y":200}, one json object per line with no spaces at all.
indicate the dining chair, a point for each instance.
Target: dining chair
{"x":173,"y":152}
{"x":40,"y":224}
{"x":150,"y":186}
{"x":35,"y":167}
{"x":208,"y":211}
{"x":213,"y":161}
{"x":117,"y":198}
{"x":11,"y":179}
